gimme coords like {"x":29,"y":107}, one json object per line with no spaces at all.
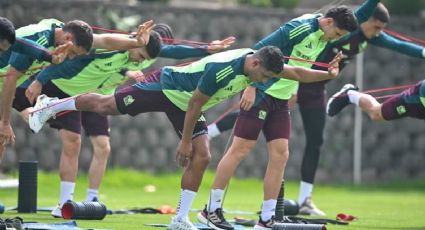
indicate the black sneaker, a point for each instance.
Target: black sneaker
{"x":339,"y":100}
{"x":264,"y":225}
{"x":214,"y":219}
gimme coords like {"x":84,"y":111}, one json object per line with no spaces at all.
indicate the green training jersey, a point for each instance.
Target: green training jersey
{"x":299,"y":38}
{"x":219,"y":76}
{"x":96,"y":72}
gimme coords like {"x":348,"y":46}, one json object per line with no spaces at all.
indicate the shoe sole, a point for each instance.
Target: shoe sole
{"x":336,"y":95}
{"x":205,"y":221}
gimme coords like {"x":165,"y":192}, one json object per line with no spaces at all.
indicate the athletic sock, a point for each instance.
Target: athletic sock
{"x":268,"y":210}
{"x":64,"y":104}
{"x":216,"y":199}
{"x":306,"y":189}
{"x":91,"y":194}
{"x":66,"y":192}
{"x":354,"y":96}
{"x":186,"y":199}
{"x":213,"y":130}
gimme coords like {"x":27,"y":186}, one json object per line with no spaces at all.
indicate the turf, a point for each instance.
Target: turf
{"x":388,"y":206}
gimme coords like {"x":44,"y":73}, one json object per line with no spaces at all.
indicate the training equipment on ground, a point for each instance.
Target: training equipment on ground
{"x":27,"y":194}
{"x":83,"y":210}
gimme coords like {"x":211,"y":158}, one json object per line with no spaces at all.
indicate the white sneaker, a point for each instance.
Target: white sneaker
{"x":57,"y":212}
{"x":181,"y":224}
{"x":43,"y":112}
{"x":310,"y":209}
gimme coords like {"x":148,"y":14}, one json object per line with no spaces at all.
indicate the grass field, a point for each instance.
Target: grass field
{"x":389,"y":206}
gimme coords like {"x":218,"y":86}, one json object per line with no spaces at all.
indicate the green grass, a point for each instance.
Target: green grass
{"x":389,"y":206}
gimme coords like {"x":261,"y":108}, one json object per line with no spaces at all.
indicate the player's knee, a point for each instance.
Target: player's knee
{"x":281,"y":155}
{"x":72,"y":138}
{"x":102,"y":149}
{"x":240,"y":152}
{"x":203,"y":156}
{"x":376,"y":114}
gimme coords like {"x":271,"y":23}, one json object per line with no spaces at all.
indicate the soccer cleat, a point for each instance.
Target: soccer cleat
{"x":14,"y":223}
{"x":339,"y":100}
{"x":181,"y":224}
{"x":310,"y":209}
{"x":264,"y":225}
{"x":214,"y":219}
{"x":57,"y":212}
{"x":43,"y":112}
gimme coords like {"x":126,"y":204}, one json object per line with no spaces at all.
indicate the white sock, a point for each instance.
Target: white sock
{"x":354,"y":96}
{"x":213,"y":130}
{"x":268,"y":210}
{"x":64,"y":104}
{"x":91,"y":193}
{"x":66,"y":192}
{"x":186,"y":199}
{"x":216,"y":199}
{"x":306,"y":189}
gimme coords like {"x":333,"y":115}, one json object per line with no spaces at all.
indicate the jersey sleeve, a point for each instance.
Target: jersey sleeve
{"x":384,"y":40}
{"x":182,"y":51}
{"x":67,"y":70}
{"x":20,"y":61}
{"x":214,"y":73}
{"x":31,"y":49}
{"x":366,"y":10}
{"x":287,"y":35}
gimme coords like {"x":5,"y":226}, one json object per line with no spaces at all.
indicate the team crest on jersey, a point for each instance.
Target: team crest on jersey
{"x":401,"y":110}
{"x":262,"y":114}
{"x":128,"y":100}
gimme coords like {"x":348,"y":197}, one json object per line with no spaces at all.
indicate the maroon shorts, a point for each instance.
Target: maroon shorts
{"x":132,"y":100}
{"x":271,"y":115}
{"x":95,"y":124}
{"x":405,"y":104}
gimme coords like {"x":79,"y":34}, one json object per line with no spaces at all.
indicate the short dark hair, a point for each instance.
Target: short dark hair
{"x":154,"y":45}
{"x":381,"y":13}
{"x":7,"y":30}
{"x":164,"y":30}
{"x":343,"y":17}
{"x":82,"y":32}
{"x":271,"y":58}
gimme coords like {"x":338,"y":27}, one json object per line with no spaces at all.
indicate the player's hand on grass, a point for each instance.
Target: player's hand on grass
{"x":219,"y":45}
{"x":184,"y":153}
{"x":333,"y":69}
{"x":61,"y":53}
{"x":143,"y":32}
{"x":136,"y":75}
{"x":248,"y":98}
{"x":7,"y":136}
{"x":33,"y":91}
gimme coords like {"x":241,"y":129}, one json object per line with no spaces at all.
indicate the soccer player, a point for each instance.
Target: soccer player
{"x":183,"y":93}
{"x":304,"y":37}
{"x":311,"y":97}
{"x":409,"y":103}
